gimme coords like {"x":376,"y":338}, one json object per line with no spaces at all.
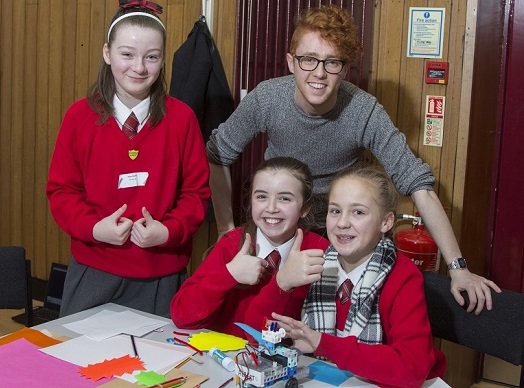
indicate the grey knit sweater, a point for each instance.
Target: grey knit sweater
{"x":326,"y":143}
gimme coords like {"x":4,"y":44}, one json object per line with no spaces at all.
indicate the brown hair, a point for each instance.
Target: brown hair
{"x":298,"y":170}
{"x":335,"y":25}
{"x":100,"y":94}
{"x":386,"y":194}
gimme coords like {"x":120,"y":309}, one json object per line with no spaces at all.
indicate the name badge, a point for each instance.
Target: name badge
{"x":133,"y":179}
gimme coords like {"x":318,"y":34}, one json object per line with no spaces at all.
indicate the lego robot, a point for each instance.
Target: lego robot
{"x":272,"y":361}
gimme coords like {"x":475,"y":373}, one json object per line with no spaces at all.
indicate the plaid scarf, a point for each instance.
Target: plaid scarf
{"x":319,"y":311}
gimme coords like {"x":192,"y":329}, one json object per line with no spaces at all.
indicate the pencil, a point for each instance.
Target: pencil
{"x":196,"y":360}
{"x":189,"y":345}
{"x":134,"y":345}
{"x":226,"y":382}
{"x":181,"y":364}
{"x":176,"y":382}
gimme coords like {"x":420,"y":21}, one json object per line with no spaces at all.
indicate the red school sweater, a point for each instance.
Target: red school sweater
{"x":90,"y":159}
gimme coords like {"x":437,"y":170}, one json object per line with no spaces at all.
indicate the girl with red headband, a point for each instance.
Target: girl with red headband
{"x":128,"y":180}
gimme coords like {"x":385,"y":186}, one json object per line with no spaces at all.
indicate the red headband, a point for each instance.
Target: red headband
{"x":140,"y":4}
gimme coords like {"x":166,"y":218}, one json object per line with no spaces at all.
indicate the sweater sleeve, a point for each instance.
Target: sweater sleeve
{"x":230,"y":138}
{"x":406,"y":356}
{"x":193,"y":191}
{"x":203,"y":293}
{"x":65,"y":190}
{"x":389,"y":145}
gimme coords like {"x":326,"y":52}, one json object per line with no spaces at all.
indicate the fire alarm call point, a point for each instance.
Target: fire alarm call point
{"x":436,"y":72}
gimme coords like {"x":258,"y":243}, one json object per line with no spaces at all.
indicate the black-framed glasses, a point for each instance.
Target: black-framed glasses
{"x":331,"y":66}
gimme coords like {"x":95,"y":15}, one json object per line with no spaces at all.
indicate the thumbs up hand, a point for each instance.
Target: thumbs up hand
{"x":113,"y":229}
{"x":245,"y":268}
{"x":148,"y":232}
{"x":301,"y":267}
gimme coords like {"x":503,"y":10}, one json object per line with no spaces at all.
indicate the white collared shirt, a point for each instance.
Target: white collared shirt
{"x":354,"y":275}
{"x":264,"y":247}
{"x":122,"y":112}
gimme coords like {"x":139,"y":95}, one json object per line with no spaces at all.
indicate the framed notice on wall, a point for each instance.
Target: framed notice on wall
{"x":426,"y":32}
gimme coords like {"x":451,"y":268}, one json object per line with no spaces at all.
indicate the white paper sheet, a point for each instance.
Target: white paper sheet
{"x":107,"y":323}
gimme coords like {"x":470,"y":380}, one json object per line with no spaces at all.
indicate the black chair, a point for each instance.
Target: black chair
{"x":498,"y":332}
{"x":15,"y":281}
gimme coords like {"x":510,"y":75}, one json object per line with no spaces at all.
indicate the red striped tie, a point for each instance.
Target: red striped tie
{"x":273,"y":261}
{"x":130,"y":126}
{"x":344,"y":291}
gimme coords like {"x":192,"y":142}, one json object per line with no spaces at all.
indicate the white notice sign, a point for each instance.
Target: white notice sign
{"x":426,"y":32}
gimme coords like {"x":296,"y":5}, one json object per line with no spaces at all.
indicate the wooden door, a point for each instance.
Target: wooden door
{"x":507,"y":256}
{"x":493,"y":209}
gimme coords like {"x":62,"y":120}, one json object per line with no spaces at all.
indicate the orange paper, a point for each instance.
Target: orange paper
{"x":110,"y":368}
{"x":31,"y":335}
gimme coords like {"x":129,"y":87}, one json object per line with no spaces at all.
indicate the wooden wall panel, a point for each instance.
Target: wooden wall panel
{"x":6,"y":85}
{"x":387,"y":60}
{"x":29,"y":124}
{"x":17,"y":56}
{"x":430,"y":154}
{"x":449,"y":195}
{"x":398,"y":83}
{"x":45,"y":228}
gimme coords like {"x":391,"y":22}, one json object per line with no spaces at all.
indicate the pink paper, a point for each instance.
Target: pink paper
{"x":24,"y":365}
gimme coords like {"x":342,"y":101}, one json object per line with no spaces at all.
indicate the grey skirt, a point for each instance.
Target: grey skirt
{"x":87,"y":287}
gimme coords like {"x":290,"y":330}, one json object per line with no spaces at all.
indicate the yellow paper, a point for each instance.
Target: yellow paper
{"x":225,"y":342}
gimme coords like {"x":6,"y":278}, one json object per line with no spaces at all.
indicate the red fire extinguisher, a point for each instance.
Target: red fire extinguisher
{"x":417,"y":244}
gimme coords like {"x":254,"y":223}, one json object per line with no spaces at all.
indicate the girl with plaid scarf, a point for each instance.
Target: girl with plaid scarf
{"x":380,"y":331}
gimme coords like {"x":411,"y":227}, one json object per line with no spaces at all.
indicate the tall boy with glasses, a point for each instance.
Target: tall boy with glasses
{"x":315,"y":116}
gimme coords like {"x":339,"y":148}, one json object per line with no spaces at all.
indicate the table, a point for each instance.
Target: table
{"x":217,"y":375}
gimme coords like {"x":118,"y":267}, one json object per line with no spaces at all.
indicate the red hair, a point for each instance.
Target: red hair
{"x":335,"y":25}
